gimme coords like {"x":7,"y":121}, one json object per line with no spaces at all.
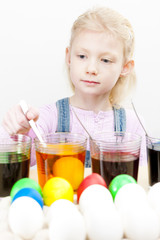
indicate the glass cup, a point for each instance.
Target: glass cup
{"x":14,"y":161}
{"x":153,"y":155}
{"x":114,"y":153}
{"x":62,"y":155}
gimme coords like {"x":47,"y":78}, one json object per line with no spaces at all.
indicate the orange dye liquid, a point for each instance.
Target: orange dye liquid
{"x":67,"y":163}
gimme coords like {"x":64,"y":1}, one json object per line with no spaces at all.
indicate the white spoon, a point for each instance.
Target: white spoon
{"x":24,"y":108}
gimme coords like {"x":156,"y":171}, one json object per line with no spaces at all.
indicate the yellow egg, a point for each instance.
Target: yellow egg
{"x":70,"y":168}
{"x":57,"y":188}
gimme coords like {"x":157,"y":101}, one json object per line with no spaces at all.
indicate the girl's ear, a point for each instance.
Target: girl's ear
{"x":127,"y":68}
{"x":68,"y":56}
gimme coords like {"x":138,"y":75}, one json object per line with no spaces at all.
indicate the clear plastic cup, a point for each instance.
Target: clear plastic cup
{"x":62,"y":155}
{"x":153,"y":155}
{"x":114,"y":153}
{"x":14,"y":161}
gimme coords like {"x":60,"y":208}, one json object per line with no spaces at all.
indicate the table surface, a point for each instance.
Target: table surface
{"x":142,"y":175}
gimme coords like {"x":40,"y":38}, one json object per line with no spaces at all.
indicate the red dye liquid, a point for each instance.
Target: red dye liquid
{"x":111,"y":164}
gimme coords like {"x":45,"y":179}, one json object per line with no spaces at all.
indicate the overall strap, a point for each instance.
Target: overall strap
{"x":63,"y":115}
{"x":64,"y":122}
{"x":119,"y":119}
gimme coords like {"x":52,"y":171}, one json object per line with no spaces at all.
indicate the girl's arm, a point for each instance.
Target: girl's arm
{"x":15,"y":121}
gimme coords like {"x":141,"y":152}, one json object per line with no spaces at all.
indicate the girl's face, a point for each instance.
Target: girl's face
{"x":95,"y":62}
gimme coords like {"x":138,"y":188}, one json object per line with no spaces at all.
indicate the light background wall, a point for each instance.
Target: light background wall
{"x":33,"y":37}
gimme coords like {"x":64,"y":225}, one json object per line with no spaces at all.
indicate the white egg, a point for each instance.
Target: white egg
{"x":5,"y":202}
{"x":4,"y":226}
{"x":154,"y":197}
{"x":9,"y":236}
{"x":103,"y":223}
{"x":3,"y":214}
{"x":66,"y":222}
{"x":93,"y":195}
{"x":25,"y":217}
{"x":4,"y":219}
{"x":129,"y":196}
{"x":141,"y":223}
{"x":59,"y":208}
{"x":42,"y":234}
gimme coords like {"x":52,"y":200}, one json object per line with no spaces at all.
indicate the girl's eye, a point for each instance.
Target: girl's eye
{"x":105,"y":60}
{"x":81,"y":56}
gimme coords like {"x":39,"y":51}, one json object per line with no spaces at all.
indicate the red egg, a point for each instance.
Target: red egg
{"x":91,"y":179}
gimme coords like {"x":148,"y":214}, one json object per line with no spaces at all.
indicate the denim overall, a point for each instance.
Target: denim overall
{"x":64,"y":121}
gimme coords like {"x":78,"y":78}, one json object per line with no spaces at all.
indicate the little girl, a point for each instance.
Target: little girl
{"x":101,"y":71}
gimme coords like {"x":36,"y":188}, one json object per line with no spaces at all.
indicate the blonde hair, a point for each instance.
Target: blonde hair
{"x":102,"y":20}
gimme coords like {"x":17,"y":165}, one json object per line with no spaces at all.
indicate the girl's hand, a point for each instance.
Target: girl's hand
{"x":15,"y":122}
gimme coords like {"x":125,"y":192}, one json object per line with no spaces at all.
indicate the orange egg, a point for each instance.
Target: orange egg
{"x":70,"y":168}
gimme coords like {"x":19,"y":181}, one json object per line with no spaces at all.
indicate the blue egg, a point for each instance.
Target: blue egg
{"x":29,"y":192}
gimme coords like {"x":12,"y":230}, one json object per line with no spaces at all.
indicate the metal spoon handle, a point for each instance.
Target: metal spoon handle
{"x":81,"y":123}
{"x":139,"y":118}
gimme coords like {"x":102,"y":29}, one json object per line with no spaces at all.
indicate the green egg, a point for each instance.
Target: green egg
{"x":25,"y":183}
{"x":118,"y":182}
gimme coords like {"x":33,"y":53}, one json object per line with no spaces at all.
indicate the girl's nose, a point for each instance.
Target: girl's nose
{"x":92,"y":68}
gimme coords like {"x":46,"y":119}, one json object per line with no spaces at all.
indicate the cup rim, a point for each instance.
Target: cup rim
{"x":153,"y":143}
{"x":152,"y":138}
{"x":17,"y":138}
{"x":137,"y":138}
{"x":82,"y":138}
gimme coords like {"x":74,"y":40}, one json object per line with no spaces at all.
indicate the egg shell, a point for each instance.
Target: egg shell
{"x":129,"y":196}
{"x":66,"y":222}
{"x":5,"y":202}
{"x":6,"y":235}
{"x":103,"y":223}
{"x":29,"y":192}
{"x":4,"y":224}
{"x":154,"y":197}
{"x":118,"y":182}
{"x":3,"y":215}
{"x":25,"y":183}
{"x":57,"y":188}
{"x":42,"y":234}
{"x":91,"y":179}
{"x":25,"y":217}
{"x":69,"y":168}
{"x":59,"y":208}
{"x":141,"y":223}
{"x":94,"y":195}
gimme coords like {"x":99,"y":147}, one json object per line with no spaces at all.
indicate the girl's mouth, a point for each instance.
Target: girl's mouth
{"x":90,"y":82}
